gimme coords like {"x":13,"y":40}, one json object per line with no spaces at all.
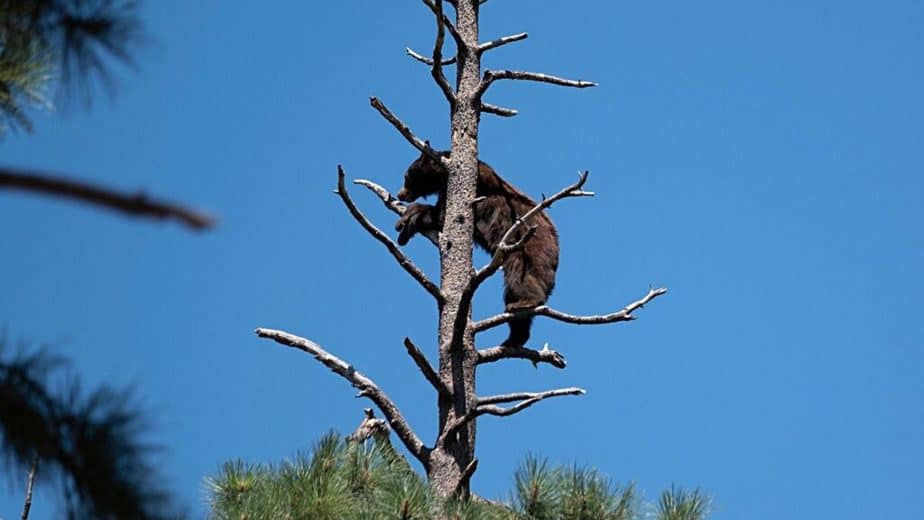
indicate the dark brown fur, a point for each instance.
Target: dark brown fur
{"x":529,"y":273}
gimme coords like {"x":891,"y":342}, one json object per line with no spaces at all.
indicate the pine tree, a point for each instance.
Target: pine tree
{"x":348,"y":478}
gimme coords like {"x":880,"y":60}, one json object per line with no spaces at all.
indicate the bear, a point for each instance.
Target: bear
{"x":529,"y":272}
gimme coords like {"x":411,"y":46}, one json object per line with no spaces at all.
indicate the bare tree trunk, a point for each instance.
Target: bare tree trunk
{"x":451,"y":459}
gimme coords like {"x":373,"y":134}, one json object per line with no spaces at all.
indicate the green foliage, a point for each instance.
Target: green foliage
{"x":26,"y":66}
{"x":70,"y":40}
{"x":537,"y":492}
{"x":89,"y":442}
{"x":678,"y":504}
{"x":339,"y":479}
{"x":570,"y":493}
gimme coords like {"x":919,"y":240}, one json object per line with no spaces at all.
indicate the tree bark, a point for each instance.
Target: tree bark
{"x":453,"y":455}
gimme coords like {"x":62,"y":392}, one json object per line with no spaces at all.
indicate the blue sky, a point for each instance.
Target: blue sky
{"x":762,"y":160}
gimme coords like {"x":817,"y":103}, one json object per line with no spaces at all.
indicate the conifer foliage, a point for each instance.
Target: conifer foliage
{"x":340,"y":479}
{"x":72,"y":41}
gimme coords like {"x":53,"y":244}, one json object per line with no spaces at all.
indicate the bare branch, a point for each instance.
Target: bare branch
{"x":415,"y":141}
{"x":427,"y":369}
{"x":393,"y":248}
{"x":27,"y":505}
{"x":570,"y":191}
{"x":544,"y":310}
{"x":483,"y":408}
{"x":465,"y":476}
{"x":391,"y":202}
{"x":370,"y":427}
{"x":521,"y":396}
{"x":546,"y":355}
{"x":504,"y":247}
{"x":367,"y":387}
{"x":437,"y":9}
{"x":504,"y":40}
{"x":137,"y":204}
{"x":423,"y":59}
{"x":502,"y":412}
{"x":437,"y":69}
{"x":492,"y":75}
{"x":488,"y":108}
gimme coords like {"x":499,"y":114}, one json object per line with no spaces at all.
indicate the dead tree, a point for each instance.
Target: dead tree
{"x":449,"y":461}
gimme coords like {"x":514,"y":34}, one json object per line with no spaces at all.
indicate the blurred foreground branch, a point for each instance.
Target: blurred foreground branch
{"x":137,"y":204}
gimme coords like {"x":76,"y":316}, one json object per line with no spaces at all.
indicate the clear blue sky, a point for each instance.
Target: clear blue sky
{"x":763,"y":160}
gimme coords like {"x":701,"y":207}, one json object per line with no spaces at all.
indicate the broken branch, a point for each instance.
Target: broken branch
{"x":366,"y":386}
{"x":427,"y":369}
{"x":370,"y":427}
{"x":488,"y":108}
{"x":393,"y":248}
{"x":27,"y":504}
{"x":546,"y":355}
{"x":504,"y":40}
{"x":399,"y":125}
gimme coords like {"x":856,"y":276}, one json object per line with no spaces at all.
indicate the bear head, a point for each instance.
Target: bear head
{"x":423,"y":177}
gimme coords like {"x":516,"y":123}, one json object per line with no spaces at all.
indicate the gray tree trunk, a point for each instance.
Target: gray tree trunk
{"x":457,"y":358}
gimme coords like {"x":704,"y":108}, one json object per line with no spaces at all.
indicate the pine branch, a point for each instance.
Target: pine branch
{"x":90,"y":441}
{"x":376,"y":233}
{"x":132,"y":204}
{"x":366,"y":386}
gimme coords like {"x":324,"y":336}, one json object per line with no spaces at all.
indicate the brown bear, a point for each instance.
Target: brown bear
{"x":529,"y":273}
